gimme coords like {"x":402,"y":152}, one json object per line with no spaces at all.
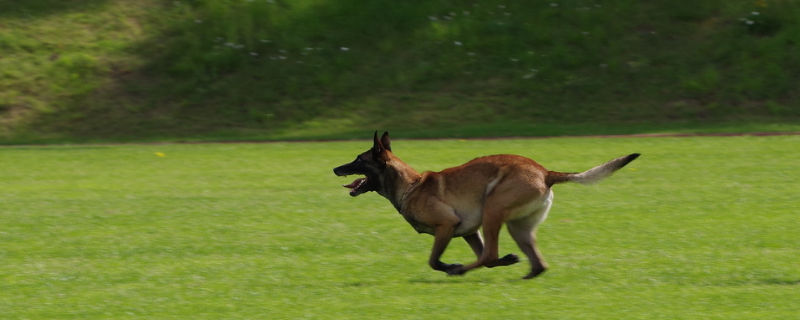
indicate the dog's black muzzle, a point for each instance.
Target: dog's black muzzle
{"x":354,"y":167}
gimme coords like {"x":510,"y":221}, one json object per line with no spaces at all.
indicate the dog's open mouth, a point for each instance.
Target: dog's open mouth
{"x":357,"y":187}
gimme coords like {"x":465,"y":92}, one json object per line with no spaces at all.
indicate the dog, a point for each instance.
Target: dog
{"x":486,"y":193}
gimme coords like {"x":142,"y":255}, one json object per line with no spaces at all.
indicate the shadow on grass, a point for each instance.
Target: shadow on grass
{"x":449,"y":280}
{"x":442,"y":280}
{"x":763,"y":282}
{"x":780,"y":282}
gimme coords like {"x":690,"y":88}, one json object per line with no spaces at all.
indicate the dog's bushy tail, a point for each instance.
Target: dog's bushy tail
{"x":592,"y":175}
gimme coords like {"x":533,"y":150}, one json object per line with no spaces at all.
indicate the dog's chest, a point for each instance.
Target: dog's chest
{"x":418,"y":226}
{"x":469,"y":224}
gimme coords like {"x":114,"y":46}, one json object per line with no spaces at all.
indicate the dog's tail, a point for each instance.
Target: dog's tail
{"x":592,"y":175}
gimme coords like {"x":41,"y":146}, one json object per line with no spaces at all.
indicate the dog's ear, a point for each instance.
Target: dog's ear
{"x":385,"y":141}
{"x":377,"y":145}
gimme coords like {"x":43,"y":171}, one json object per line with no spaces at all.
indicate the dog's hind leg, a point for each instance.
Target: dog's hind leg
{"x":526,"y":240}
{"x":475,"y":242}
{"x":492,"y":222}
{"x":523,"y":231}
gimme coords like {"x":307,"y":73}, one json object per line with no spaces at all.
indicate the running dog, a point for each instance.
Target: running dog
{"x":485,"y":192}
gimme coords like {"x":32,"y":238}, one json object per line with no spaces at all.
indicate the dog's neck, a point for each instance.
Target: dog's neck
{"x":398,"y":181}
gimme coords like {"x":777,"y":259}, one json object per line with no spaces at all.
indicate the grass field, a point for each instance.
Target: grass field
{"x":697,"y":228}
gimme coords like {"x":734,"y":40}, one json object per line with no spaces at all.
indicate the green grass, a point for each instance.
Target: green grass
{"x":697,"y":228}
{"x":159,"y":69}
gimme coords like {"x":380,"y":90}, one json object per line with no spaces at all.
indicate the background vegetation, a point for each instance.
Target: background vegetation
{"x":697,"y":228}
{"x":274,"y":69}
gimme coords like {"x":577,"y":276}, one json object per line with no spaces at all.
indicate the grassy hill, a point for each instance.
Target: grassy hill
{"x":270,"y":69}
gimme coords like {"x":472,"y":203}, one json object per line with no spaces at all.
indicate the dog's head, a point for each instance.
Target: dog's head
{"x":371,"y":164}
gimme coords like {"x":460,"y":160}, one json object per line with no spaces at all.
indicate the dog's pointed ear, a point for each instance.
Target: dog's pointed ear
{"x":377,"y":146}
{"x":385,"y":141}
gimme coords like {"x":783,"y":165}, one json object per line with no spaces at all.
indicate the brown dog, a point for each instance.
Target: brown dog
{"x":485,"y":192}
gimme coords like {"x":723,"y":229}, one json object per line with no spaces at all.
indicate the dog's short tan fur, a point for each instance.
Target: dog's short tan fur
{"x":486,"y":192}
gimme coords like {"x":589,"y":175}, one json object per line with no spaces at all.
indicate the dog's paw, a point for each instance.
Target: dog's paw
{"x":506,"y":260}
{"x":455,"y":270}
{"x":534,"y":273}
{"x":509,"y":259}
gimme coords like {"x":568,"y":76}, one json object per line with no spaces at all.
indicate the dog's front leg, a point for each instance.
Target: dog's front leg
{"x":442,"y":235}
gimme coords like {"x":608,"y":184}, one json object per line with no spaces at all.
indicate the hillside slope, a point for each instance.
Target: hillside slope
{"x":269,"y":69}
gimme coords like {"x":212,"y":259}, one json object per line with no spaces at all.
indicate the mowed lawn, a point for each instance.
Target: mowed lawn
{"x":697,"y":228}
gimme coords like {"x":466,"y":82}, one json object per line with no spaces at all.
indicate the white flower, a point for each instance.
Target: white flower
{"x":458,"y":43}
{"x":553,"y":4}
{"x":755,"y":13}
{"x":432,"y":18}
{"x":255,"y":54}
{"x":344,"y":48}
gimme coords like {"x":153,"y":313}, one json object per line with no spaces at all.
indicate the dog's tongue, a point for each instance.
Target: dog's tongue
{"x":355,"y":183}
